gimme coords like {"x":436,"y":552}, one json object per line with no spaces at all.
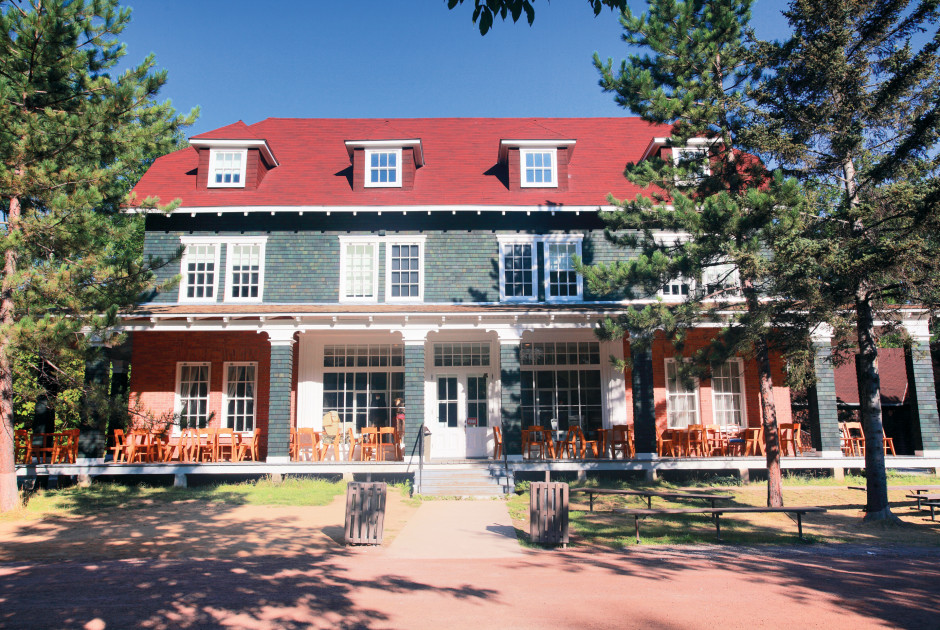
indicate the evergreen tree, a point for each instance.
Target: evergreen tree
{"x":853,"y":109}
{"x":71,"y":136}
{"x":695,"y":73}
{"x":485,"y":12}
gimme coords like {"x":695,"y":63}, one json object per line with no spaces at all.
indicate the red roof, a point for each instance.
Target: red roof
{"x":891,"y":369}
{"x":460,"y":159}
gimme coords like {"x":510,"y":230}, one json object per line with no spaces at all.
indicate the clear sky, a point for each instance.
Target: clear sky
{"x":249,"y":60}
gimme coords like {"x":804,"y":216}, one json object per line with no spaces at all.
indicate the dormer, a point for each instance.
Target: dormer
{"x":534,"y":164}
{"x":693,"y":156}
{"x":385,"y":163}
{"x":232,"y":162}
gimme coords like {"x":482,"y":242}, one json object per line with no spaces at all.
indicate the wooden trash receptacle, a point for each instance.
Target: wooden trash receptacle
{"x":365,"y":513}
{"x":548,"y":513}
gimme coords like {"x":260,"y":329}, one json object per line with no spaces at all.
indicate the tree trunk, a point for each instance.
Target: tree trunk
{"x":771,"y":434}
{"x":869,"y":396}
{"x":9,"y":498}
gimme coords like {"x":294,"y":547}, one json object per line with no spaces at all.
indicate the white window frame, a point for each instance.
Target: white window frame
{"x":404,"y":240}
{"x":742,"y":395}
{"x":677,"y":153}
{"x":547,"y":242}
{"x":523,"y":152}
{"x":226,"y":419}
{"x":345,"y":241}
{"x":519,"y":240}
{"x":233,"y":242}
{"x":177,"y":399}
{"x":695,"y":394}
{"x":194,"y":241}
{"x":679,"y":282}
{"x":368,"y":183}
{"x":211,"y":183}
{"x":723,"y":270}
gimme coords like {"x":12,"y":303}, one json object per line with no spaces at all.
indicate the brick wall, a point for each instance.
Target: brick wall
{"x":662,"y":349}
{"x":156,"y":354}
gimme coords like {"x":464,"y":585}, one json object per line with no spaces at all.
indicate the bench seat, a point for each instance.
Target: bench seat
{"x":638,"y":513}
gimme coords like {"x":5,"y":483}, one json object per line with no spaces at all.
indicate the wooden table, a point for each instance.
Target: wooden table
{"x":649,"y":494}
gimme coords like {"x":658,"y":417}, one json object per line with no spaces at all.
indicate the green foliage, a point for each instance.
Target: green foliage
{"x":74,"y":139}
{"x":485,"y":12}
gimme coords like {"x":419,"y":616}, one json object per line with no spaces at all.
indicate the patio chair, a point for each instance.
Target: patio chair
{"x":248,"y":446}
{"x":497,"y":442}
{"x":619,"y":441}
{"x":368,"y":443}
{"x":307,"y":445}
{"x":226,"y":444}
{"x":790,"y":443}
{"x":668,"y":443}
{"x":696,"y":441}
{"x":388,"y":445}
{"x":23,"y":447}
{"x":753,"y":441}
{"x":533,"y":438}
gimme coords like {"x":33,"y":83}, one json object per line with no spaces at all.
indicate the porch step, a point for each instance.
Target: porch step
{"x":483,"y":480}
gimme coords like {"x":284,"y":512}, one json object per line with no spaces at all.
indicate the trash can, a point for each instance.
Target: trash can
{"x":548,"y":513}
{"x":365,"y":513}
{"x":426,"y":445}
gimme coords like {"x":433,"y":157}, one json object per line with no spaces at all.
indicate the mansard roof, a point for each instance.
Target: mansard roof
{"x":461,"y":163}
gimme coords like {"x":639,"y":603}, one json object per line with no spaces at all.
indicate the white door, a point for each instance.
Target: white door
{"x":459,"y":427}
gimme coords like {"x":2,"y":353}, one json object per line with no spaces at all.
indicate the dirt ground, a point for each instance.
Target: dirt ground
{"x":199,"y":565}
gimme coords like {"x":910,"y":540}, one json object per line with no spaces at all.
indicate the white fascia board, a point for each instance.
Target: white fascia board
{"x":658,"y":143}
{"x":356,"y":209}
{"x":262,"y":145}
{"x":415,"y":143}
{"x":505,"y":145}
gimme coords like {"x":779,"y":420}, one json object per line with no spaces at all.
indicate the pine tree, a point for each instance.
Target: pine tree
{"x":695,"y":73}
{"x":853,"y":109}
{"x":71,"y":137}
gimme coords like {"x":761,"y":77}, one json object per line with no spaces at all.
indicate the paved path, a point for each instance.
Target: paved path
{"x":458,"y":529}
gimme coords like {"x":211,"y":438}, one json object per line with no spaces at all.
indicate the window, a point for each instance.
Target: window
{"x":470,"y":354}
{"x":477,"y":406}
{"x":561,"y":281}
{"x":364,"y":390}
{"x":227,"y":168}
{"x":200,"y":275}
{"x":694,"y":162}
{"x":404,"y":269}
{"x":677,"y":288}
{"x":245,"y":268}
{"x":728,"y":393}
{"x":517,"y":260}
{"x":192,"y":395}
{"x":538,"y":168}
{"x":721,"y":281}
{"x":681,"y":398}
{"x":359,"y":264}
{"x":383,"y":168}
{"x":239,"y":402}
{"x":561,"y":384}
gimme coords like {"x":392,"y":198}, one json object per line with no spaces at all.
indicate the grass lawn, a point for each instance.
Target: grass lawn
{"x":842,"y":523}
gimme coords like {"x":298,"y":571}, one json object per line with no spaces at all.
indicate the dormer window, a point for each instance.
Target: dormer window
{"x":694,"y":161}
{"x":227,"y":168}
{"x":539,"y":169}
{"x":383,"y":168}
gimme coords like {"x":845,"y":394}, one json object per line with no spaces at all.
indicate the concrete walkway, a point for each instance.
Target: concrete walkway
{"x":457,"y":529}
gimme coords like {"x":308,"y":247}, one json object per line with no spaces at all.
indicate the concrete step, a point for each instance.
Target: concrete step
{"x":482,"y":480}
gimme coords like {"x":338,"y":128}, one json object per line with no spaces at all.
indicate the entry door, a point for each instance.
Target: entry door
{"x":460,"y":428}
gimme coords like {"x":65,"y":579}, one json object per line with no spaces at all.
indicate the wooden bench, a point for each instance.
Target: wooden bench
{"x":649,"y":494}
{"x":932,"y":504}
{"x":930,"y":500}
{"x":716,"y":513}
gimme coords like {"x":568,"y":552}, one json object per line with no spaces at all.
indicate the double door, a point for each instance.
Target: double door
{"x":460,"y":421}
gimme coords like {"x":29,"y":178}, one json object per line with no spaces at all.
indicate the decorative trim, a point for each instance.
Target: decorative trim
{"x":210,"y":143}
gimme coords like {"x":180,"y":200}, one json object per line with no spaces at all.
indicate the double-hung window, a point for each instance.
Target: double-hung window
{"x":721,"y":281}
{"x":383,"y":168}
{"x":404,"y":269}
{"x":192,"y":395}
{"x":245,"y":270}
{"x":359,"y":269}
{"x":693,"y":162}
{"x":562,"y":283}
{"x":538,"y":168}
{"x":199,"y":270}
{"x":227,"y":168}
{"x":728,"y":393}
{"x":240,"y":396}
{"x":681,"y":398}
{"x":518,"y":261}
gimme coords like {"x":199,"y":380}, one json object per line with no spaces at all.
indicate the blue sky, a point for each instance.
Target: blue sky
{"x":380,"y":58}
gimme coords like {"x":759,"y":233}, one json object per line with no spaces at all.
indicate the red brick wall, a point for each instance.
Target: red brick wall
{"x":154,"y":359}
{"x":662,"y":349}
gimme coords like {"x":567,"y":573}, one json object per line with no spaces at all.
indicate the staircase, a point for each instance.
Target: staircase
{"x":484,"y":479}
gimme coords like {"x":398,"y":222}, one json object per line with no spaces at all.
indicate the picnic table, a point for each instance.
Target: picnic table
{"x":716,"y":513}
{"x":649,"y":494}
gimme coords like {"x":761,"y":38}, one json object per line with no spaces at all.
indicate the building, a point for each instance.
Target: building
{"x":349,"y":264}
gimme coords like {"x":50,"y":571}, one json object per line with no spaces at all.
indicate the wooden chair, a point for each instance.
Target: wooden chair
{"x":575,"y":445}
{"x":65,"y":446}
{"x":226,"y":444}
{"x":790,"y":440}
{"x":533,"y":438}
{"x":669,"y":443}
{"x":22,"y":447}
{"x":205,"y":445}
{"x":249,"y":446}
{"x":368,"y":443}
{"x":888,"y":442}
{"x":714,"y":439}
{"x":696,"y":441}
{"x":619,"y":441}
{"x":307,"y":445}
{"x":352,"y":443}
{"x":387,"y":448}
{"x":753,"y":441}
{"x":497,"y":442}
